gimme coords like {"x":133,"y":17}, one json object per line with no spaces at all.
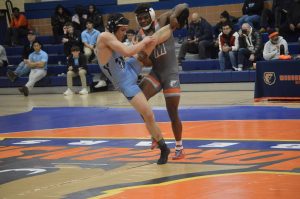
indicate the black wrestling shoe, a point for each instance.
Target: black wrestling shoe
{"x":164,"y":152}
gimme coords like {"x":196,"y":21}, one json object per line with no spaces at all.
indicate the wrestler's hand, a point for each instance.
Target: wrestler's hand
{"x":174,"y":22}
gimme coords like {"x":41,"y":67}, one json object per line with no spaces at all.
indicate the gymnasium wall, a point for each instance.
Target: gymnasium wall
{"x":39,"y":13}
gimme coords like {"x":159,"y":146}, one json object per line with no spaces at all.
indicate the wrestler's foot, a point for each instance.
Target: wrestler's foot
{"x":179,"y":154}
{"x":164,"y":154}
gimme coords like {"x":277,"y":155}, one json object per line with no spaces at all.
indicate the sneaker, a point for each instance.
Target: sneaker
{"x":83,"y":91}
{"x":11,"y":75}
{"x":154,"y":144}
{"x":68,"y":92}
{"x":164,"y":154}
{"x":24,"y":90}
{"x":240,"y":69}
{"x":179,"y":154}
{"x":100,"y":84}
{"x":235,"y":68}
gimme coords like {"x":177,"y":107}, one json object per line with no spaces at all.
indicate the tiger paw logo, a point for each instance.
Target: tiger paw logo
{"x":269,"y":78}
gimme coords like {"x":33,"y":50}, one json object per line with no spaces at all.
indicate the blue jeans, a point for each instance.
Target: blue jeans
{"x":22,"y":69}
{"x":249,"y":19}
{"x":225,"y":56}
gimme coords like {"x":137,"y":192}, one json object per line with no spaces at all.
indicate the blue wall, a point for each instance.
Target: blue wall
{"x":46,"y":9}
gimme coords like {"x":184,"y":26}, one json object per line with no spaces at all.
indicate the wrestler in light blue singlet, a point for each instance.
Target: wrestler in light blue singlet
{"x":123,"y":74}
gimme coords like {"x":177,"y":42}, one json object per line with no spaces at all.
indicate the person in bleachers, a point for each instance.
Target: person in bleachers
{"x":18,"y":28}
{"x":77,"y":66}
{"x":275,"y":47}
{"x":37,"y":62}
{"x":79,"y":18}
{"x":58,"y":20}
{"x":225,"y":18}
{"x":71,"y":38}
{"x":94,"y":15}
{"x":89,"y":40}
{"x":250,"y":47}
{"x":130,"y":36}
{"x":293,"y":26}
{"x":252,"y":10}
{"x":276,"y":16}
{"x":200,"y":38}
{"x":23,"y":69}
{"x":3,"y":57}
{"x":228,"y":46}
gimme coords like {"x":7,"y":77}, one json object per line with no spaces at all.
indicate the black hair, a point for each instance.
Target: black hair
{"x":225,"y":14}
{"x":227,"y":24}
{"x":69,"y":24}
{"x":114,"y":20}
{"x":89,"y":21}
{"x":38,"y":42}
{"x":75,"y":48}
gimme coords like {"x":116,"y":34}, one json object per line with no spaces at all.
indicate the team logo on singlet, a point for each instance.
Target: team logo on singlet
{"x":160,"y":50}
{"x":173,"y":83}
{"x":120,"y":61}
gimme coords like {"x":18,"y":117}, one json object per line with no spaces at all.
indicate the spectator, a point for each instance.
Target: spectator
{"x":96,"y":17}
{"x":293,"y":27}
{"x":38,"y":63}
{"x":200,"y":38}
{"x":250,"y":46}
{"x":71,"y":38}
{"x":79,"y":18}
{"x":89,"y":39}
{"x":276,"y":15}
{"x":18,"y":28}
{"x":77,"y":65}
{"x":23,"y":69}
{"x":3,"y":57}
{"x":228,"y":46}
{"x":130,"y":36}
{"x":225,"y":18}
{"x":58,"y":20}
{"x":251,"y":12}
{"x":275,"y":47}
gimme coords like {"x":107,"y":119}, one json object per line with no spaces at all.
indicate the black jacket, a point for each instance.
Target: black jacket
{"x":294,"y":13}
{"x":74,"y":40}
{"x":82,"y":62}
{"x":253,"y":7}
{"x":27,"y":50}
{"x":281,"y":4}
{"x":97,"y":19}
{"x":256,"y":41}
{"x":201,"y":30}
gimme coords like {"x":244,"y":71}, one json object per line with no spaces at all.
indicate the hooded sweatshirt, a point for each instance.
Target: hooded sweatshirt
{"x":271,"y":51}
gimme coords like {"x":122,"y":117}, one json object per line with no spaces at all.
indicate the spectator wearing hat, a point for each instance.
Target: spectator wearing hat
{"x":275,"y":47}
{"x":37,"y":62}
{"x":18,"y":28}
{"x":58,"y":20}
{"x":89,"y":40}
{"x":23,"y":69}
{"x":77,"y":66}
